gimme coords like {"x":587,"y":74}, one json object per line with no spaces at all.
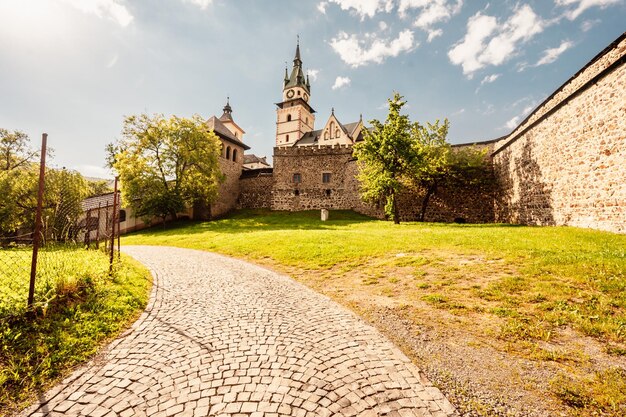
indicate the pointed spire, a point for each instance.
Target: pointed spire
{"x":297,"y":77}
{"x":332,"y":111}
{"x":286,"y":75}
{"x":361,"y":117}
{"x":227,"y":111}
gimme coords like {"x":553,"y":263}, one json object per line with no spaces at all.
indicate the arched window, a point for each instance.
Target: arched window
{"x":234,"y":154}
{"x":332,"y":126}
{"x":288,"y":117}
{"x":228,"y":152}
{"x":287,"y":138}
{"x":337,"y":133}
{"x":326,"y":135}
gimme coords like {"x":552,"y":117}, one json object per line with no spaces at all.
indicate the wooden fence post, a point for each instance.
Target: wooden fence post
{"x":37,"y":236}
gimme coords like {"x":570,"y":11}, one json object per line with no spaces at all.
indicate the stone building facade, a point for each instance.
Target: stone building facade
{"x":564,"y":165}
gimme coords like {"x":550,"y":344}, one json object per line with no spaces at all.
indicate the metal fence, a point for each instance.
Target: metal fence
{"x":56,"y":226}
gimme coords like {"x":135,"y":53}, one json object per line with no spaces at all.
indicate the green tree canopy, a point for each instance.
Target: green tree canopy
{"x":166,"y":164}
{"x":398,"y":154}
{"x":385,"y":158}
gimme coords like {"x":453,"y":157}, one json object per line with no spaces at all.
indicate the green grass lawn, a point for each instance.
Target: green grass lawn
{"x":522,"y":285}
{"x":78,"y":307}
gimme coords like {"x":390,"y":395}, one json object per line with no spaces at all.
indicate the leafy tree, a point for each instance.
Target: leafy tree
{"x":440,"y":164}
{"x":19,"y":179}
{"x":166,"y":164}
{"x":385,"y":158}
{"x":98,"y":187}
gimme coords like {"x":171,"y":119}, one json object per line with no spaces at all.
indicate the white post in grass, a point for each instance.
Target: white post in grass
{"x":324,"y":215}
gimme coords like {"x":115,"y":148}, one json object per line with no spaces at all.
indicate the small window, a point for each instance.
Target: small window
{"x":299,"y":92}
{"x":337,"y":133}
{"x":122,"y":216}
{"x":328,"y":192}
{"x":296,"y":192}
{"x":326,"y":135}
{"x":326,"y":177}
{"x":228,"y":152}
{"x":288,"y":117}
{"x":287,"y":138}
{"x":234,"y":154}
{"x":297,"y":178}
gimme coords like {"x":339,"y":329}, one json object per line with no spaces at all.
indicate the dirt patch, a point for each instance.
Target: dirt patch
{"x":439,"y":308}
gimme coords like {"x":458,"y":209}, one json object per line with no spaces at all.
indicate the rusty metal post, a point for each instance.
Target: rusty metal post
{"x":112,"y":248}
{"x":37,"y":236}
{"x":87,"y":232}
{"x":119,"y":230}
{"x":98,"y":228}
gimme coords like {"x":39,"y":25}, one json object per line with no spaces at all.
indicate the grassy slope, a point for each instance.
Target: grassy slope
{"x":517,"y":285}
{"x":79,"y":308}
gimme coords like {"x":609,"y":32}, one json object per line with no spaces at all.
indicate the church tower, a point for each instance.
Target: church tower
{"x":294,"y":115}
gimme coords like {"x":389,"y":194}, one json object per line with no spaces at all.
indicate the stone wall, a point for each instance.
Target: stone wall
{"x":255,"y":189}
{"x":229,"y":189}
{"x":472,"y":203}
{"x":566,"y":163}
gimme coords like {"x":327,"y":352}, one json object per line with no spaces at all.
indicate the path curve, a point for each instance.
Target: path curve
{"x":222,"y":337}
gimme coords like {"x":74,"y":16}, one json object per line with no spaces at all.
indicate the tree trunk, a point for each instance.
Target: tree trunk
{"x":396,"y":214}
{"x":429,"y":193}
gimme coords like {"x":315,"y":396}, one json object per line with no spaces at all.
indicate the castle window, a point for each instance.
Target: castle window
{"x":326,"y":177}
{"x":297,"y":178}
{"x":326,"y":135}
{"x":235,"y":134}
{"x":332,"y":126}
{"x":228,"y":152}
{"x":122,"y":216}
{"x":298,"y":92}
{"x":306,"y":120}
{"x":337,"y":133}
{"x":234,"y":154}
{"x":288,"y":117}
{"x":287,"y":138}
{"x":328,"y":192}
{"x":296,"y":192}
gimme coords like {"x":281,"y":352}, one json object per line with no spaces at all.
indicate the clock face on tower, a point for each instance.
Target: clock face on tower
{"x":290,"y":94}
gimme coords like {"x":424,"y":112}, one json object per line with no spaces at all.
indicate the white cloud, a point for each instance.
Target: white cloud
{"x":113,"y":61}
{"x":341,"y":82}
{"x":434,"y":33}
{"x":431,"y":13}
{"x":490,"y":78}
{"x":352,"y":51}
{"x":112,"y":9}
{"x":321,"y":6}
{"x":579,"y":6}
{"x":489,"y":43}
{"x":364,"y":8}
{"x":313,"y":73}
{"x":588,"y":24}
{"x":552,"y":54}
{"x":512,"y":124}
{"x":203,"y":4}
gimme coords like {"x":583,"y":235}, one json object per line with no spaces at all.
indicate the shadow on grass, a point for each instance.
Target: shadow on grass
{"x":243,"y":221}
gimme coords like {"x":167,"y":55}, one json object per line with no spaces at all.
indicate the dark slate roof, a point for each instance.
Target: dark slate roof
{"x":312,"y":138}
{"x":252,"y":158}
{"x":103,"y":200}
{"x":222,"y":131}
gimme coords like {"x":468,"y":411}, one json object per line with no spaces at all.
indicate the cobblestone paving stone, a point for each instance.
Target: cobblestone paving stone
{"x":222,"y":337}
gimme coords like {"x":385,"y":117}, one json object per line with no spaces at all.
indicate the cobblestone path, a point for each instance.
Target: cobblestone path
{"x":222,"y":337}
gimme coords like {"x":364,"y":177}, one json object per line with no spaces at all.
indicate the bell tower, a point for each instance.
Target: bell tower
{"x":294,"y":115}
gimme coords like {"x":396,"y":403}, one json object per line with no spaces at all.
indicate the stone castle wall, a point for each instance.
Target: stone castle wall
{"x":229,"y":189}
{"x":566,"y":163}
{"x":255,"y":189}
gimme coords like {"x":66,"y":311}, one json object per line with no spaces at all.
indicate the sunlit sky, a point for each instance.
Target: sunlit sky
{"x":74,"y":68}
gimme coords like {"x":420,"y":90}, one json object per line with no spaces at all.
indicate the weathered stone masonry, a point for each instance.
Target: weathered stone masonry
{"x":566,"y":163}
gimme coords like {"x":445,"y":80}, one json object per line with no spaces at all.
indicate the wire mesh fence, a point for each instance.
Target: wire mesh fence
{"x":59,"y":240}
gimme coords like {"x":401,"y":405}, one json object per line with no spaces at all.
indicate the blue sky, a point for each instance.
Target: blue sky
{"x":74,"y":68}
